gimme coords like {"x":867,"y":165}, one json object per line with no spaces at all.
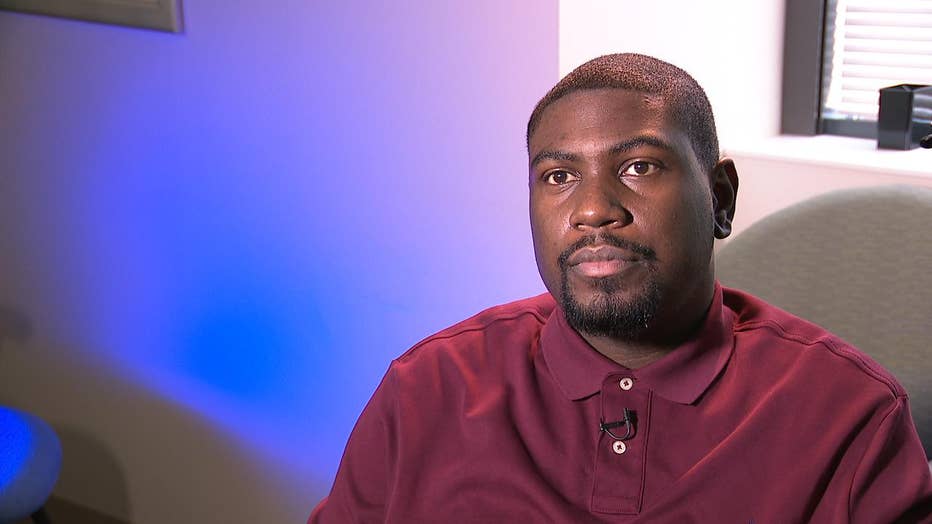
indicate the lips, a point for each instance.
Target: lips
{"x":599,"y":261}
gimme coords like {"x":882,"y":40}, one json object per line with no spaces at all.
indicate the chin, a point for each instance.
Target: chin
{"x":609,"y":311}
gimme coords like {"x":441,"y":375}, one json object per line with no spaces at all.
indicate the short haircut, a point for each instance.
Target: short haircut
{"x":685,"y":100}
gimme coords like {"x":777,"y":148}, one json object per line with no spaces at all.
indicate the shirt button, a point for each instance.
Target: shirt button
{"x":626,"y":383}
{"x":619,"y":447}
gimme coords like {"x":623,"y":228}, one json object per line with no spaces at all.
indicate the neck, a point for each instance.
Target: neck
{"x":632,"y":355}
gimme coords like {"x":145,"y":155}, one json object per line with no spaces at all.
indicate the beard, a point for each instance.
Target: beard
{"x":608,"y":314}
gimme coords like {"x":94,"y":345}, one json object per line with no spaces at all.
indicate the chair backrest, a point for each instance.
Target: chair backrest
{"x":859,"y":263}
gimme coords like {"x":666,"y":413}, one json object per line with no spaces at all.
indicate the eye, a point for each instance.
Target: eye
{"x":639,"y":168}
{"x":558,"y":177}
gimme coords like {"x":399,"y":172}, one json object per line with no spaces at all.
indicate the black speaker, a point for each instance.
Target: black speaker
{"x":904,"y":117}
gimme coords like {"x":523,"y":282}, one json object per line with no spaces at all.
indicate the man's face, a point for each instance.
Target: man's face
{"x":621,"y":214}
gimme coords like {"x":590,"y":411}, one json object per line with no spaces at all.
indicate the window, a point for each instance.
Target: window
{"x":838,"y":55}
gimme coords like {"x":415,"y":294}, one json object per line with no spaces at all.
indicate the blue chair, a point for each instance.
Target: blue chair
{"x":30,"y":459}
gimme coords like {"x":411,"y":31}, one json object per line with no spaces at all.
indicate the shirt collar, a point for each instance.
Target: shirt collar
{"x":680,"y":376}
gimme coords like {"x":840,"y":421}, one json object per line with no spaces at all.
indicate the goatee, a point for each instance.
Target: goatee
{"x":608,"y":314}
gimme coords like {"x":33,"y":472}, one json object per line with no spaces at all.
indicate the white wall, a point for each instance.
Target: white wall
{"x":734,"y":49}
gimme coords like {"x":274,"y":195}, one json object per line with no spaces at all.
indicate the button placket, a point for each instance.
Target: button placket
{"x":628,"y":422}
{"x":624,"y":429}
{"x":619,"y":467}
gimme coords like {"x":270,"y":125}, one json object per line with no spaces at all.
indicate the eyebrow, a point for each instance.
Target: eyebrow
{"x":642,"y":140}
{"x":620,"y":147}
{"x":552,"y":155}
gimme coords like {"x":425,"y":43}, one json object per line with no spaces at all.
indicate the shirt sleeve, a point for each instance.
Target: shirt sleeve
{"x":892,"y":482}
{"x":362,"y":486}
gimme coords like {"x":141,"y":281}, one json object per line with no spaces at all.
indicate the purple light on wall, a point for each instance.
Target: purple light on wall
{"x":253,"y":218}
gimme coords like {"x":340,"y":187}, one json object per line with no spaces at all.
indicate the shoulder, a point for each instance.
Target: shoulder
{"x":476,"y":356}
{"x":775,"y":334}
{"x":514,"y":324}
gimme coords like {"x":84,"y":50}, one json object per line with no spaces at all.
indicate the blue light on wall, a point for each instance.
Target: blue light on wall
{"x":253,"y":218}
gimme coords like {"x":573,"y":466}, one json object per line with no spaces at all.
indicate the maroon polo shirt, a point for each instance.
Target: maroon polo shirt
{"x":761,"y":417}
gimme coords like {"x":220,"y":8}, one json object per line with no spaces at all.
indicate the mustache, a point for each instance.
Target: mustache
{"x":629,"y":245}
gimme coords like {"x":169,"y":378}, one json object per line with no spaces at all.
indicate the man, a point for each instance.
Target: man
{"x":637,"y":389}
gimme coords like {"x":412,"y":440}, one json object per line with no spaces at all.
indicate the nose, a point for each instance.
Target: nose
{"x":599,"y":205}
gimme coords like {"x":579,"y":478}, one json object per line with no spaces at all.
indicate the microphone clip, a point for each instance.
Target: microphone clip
{"x":629,"y":422}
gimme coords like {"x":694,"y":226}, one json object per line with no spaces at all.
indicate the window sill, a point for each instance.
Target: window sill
{"x":839,"y":152}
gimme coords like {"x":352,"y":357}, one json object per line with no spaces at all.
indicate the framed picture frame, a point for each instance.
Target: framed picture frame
{"x":162,"y":15}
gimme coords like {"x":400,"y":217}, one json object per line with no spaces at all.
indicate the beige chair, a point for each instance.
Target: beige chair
{"x":859,"y":263}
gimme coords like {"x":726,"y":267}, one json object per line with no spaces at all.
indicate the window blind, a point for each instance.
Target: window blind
{"x":870,"y":44}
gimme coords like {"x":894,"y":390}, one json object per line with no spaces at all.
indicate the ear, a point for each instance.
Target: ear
{"x":724,"y":182}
